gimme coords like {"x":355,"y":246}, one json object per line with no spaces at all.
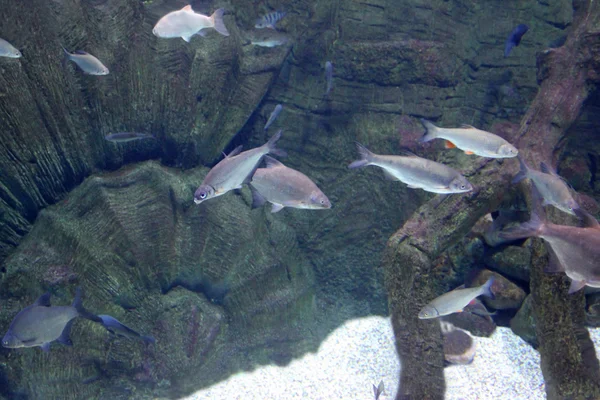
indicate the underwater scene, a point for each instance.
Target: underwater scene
{"x":299,"y":199}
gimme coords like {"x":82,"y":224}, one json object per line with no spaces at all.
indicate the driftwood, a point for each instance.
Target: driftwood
{"x":566,"y":75}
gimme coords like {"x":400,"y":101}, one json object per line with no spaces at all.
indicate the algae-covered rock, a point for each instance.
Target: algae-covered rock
{"x":523,"y":323}
{"x":220,"y":287}
{"x":507,"y":294}
{"x":512,"y":261}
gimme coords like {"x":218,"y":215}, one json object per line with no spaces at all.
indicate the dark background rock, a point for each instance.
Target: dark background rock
{"x":523,"y":323}
{"x":507,"y":294}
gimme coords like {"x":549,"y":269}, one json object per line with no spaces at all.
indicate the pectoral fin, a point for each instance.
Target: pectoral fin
{"x":389,"y":176}
{"x":468,"y":152}
{"x":276,"y":208}
{"x":576,"y":286}
{"x":449,"y":145}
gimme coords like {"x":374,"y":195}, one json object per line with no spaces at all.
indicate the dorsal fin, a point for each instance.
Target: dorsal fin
{"x":80,"y":52}
{"x":187,"y":8}
{"x":466,"y":126}
{"x":545,"y":168}
{"x":272,"y":163}
{"x":407,"y":153}
{"x":43,"y":300}
{"x":235,"y":151}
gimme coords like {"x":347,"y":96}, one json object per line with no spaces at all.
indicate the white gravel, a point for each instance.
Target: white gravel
{"x":361,"y":352}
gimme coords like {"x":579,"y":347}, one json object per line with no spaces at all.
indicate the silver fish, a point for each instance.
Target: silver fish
{"x":273,"y":115}
{"x":329,"y":76}
{"x":185,"y":23}
{"x":41,"y":323}
{"x":456,"y":300}
{"x":285,"y":187}
{"x":266,"y":38}
{"x":124,"y":137}
{"x":269,"y":20}
{"x":8,"y":50}
{"x":550,"y":185}
{"x":471,"y":140}
{"x":573,"y":250}
{"x":235,"y":170}
{"x":117,"y":328}
{"x":87,"y":62}
{"x":416,"y":172}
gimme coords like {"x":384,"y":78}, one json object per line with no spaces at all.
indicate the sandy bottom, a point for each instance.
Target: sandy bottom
{"x":361,"y":352}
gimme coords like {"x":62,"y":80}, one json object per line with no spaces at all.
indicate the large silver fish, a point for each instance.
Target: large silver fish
{"x":573,"y":250}
{"x":416,"y":172}
{"x":87,"y":62}
{"x":185,"y":23}
{"x":8,"y":50}
{"x":471,"y":140}
{"x":456,"y":300}
{"x":115,"y":327}
{"x":550,"y":185}
{"x":41,"y":323}
{"x":235,"y":170}
{"x":285,"y":187}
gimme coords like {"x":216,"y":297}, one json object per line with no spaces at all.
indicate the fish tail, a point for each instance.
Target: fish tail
{"x":271,"y":145}
{"x":148,"y":339}
{"x":533,"y":227}
{"x":430,"y":131}
{"x":523,"y":172}
{"x":78,"y":305}
{"x":487,"y":288}
{"x":219,"y":25}
{"x":366,"y":157}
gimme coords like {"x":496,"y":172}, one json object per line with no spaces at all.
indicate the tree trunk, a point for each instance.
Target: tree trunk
{"x":566,"y":75}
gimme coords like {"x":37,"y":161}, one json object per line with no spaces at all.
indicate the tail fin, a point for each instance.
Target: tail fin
{"x":530,"y":228}
{"x":487,"y":288}
{"x":430,"y":131}
{"x":78,"y":305}
{"x":66,"y":56}
{"x":523,"y":172}
{"x":365,"y":157}
{"x":271,"y":145}
{"x":217,"y":18}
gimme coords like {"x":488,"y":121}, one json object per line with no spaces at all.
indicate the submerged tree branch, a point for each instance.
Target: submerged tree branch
{"x":566,"y":75}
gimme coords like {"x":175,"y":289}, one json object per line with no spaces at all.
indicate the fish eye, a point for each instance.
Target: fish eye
{"x":203,"y":195}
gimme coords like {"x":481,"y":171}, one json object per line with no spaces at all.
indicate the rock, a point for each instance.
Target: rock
{"x":592,"y":310}
{"x":459,"y":346}
{"x":477,"y":324}
{"x":512,"y":261}
{"x":508,"y":295}
{"x":523,"y":323}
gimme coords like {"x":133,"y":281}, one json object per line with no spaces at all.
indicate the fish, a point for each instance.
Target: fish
{"x":42,"y":323}
{"x":285,"y":187}
{"x":514,"y":38}
{"x":269,"y":20}
{"x":8,"y":50}
{"x":329,"y":76}
{"x":235,"y":169}
{"x":573,"y":250}
{"x":124,"y":137}
{"x":117,"y":328}
{"x":263,"y":38}
{"x":456,"y":300}
{"x":471,"y":140}
{"x":550,"y":185}
{"x":185,"y":23}
{"x":273,"y":115}
{"x":378,"y":390}
{"x":416,"y":172}
{"x":89,"y":64}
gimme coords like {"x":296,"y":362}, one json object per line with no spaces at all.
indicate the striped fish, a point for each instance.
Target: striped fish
{"x":269,"y":20}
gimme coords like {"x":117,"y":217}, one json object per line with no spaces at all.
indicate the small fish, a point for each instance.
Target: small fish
{"x":124,"y":137}
{"x":235,"y":170}
{"x":41,"y":323}
{"x":263,"y":38}
{"x":88,"y":63}
{"x":285,"y":187}
{"x":471,"y":140}
{"x":273,"y":115}
{"x":378,"y":390}
{"x":328,"y":76}
{"x":8,"y":50}
{"x":572,"y":250}
{"x":117,"y":328}
{"x":515,"y":38}
{"x":269,"y":20}
{"x":456,"y":300}
{"x":185,"y":23}
{"x":416,"y":172}
{"x":550,"y":185}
